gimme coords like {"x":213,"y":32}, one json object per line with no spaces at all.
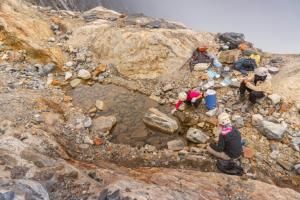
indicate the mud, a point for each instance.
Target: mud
{"x":129,"y":108}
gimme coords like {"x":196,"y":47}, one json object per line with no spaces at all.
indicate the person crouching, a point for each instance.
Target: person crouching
{"x":229,"y":145}
{"x":258,"y":86}
{"x":191,"y":98}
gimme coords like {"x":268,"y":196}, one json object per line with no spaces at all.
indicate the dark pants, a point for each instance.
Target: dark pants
{"x":253,"y":95}
{"x":195,"y":104}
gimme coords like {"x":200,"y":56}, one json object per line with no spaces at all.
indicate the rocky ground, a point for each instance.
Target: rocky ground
{"x":77,"y":90}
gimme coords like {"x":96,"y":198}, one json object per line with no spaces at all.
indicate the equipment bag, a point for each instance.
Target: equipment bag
{"x":230,"y":167}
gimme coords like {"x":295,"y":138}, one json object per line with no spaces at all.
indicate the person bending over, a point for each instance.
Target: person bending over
{"x":191,"y":98}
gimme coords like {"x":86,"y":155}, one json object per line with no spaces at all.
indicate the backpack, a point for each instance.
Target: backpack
{"x":230,"y":167}
{"x":245,"y":64}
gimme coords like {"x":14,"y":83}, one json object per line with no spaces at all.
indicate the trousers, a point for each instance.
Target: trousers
{"x":253,"y":95}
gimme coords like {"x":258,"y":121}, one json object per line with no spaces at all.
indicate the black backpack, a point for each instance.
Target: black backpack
{"x":230,"y":167}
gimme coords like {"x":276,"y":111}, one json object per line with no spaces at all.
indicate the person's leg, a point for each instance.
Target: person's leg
{"x":243,"y":88}
{"x":197,"y":103}
{"x":255,"y":95}
{"x":188,"y":103}
{"x":217,"y":154}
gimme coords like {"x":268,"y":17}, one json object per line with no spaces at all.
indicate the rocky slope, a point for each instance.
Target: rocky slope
{"x":62,"y":140}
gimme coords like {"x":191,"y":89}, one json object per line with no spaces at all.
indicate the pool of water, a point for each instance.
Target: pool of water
{"x":129,"y":108}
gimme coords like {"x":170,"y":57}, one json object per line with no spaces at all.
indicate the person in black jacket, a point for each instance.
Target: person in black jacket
{"x":229,"y":145}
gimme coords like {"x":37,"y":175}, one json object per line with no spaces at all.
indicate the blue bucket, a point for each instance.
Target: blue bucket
{"x":211,"y":99}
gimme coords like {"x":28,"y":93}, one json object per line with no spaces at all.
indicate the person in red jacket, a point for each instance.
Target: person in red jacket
{"x":192,"y":97}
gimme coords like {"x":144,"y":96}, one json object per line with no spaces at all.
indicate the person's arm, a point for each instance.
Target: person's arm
{"x":176,"y":107}
{"x":178,"y":104}
{"x":252,"y":86}
{"x":221,"y":144}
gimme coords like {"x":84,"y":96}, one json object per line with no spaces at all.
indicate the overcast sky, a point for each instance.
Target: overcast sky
{"x":273,"y":25}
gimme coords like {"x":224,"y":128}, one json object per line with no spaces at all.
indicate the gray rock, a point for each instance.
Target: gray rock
{"x":68,"y":75}
{"x":285,"y":165}
{"x":160,"y":121}
{"x":81,"y":57}
{"x":195,"y":150}
{"x":150,"y":148}
{"x":51,"y":39}
{"x":274,"y":154}
{"x":273,"y":131}
{"x":5,"y":125}
{"x":54,"y":27}
{"x":167,"y":87}
{"x":238,"y":121}
{"x":235,"y":84}
{"x":176,"y":145}
{"x":273,"y":70}
{"x":275,"y":98}
{"x":257,"y":120}
{"x":101,"y":78}
{"x":87,"y":140}
{"x":84,"y":146}
{"x":47,"y":69}
{"x":99,"y":105}
{"x":212,"y":112}
{"x":296,"y":143}
{"x":74,"y":83}
{"x":197,"y":136}
{"x":297,"y":169}
{"x":10,"y":195}
{"x":87,"y":122}
{"x":69,"y":64}
{"x":19,"y":188}
{"x":84,"y":74}
{"x":103,"y":124}
{"x":38,"y":118}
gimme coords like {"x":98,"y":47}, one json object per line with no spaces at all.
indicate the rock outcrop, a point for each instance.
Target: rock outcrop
{"x":146,"y":53}
{"x":173,"y":185}
{"x":160,"y":121}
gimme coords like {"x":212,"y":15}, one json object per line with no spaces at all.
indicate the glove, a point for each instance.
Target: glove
{"x":194,"y":100}
{"x":173,"y":111}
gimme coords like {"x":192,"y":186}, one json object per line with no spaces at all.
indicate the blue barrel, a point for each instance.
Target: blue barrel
{"x":211,"y":99}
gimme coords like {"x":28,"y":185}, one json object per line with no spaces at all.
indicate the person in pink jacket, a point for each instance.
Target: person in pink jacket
{"x":192,"y":97}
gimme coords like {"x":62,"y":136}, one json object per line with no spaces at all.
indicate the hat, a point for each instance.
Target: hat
{"x":202,"y":49}
{"x":261,"y":71}
{"x":224,"y":119}
{"x":182,"y":96}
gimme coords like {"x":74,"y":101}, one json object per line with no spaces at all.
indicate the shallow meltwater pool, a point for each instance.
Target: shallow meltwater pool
{"x":129,"y":108}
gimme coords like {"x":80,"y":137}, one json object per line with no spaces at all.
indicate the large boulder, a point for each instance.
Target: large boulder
{"x":275,"y":98}
{"x":103,"y":124}
{"x":160,"y":121}
{"x":22,"y":189}
{"x":173,"y":185}
{"x":296,"y":143}
{"x":176,"y":145}
{"x":140,"y":53}
{"x":273,"y":131}
{"x":196,"y":136}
